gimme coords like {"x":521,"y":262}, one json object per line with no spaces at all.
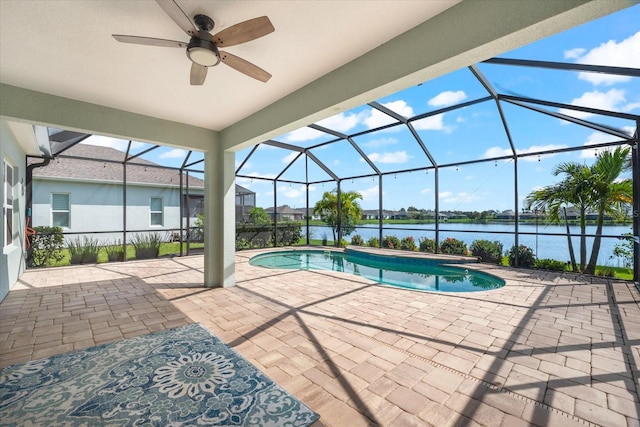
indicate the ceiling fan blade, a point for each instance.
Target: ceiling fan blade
{"x":148,"y":41}
{"x":244,"y":67}
{"x":244,"y":32}
{"x":172,"y":9}
{"x":198,"y":74}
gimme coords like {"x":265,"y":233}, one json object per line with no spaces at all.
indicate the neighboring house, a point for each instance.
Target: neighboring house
{"x":456,"y":215}
{"x":87,"y":196}
{"x":375,"y":214}
{"x":508,"y":214}
{"x":402,"y":214}
{"x":529,"y":215}
{"x":285,"y":213}
{"x":574,"y":213}
{"x":245,"y":201}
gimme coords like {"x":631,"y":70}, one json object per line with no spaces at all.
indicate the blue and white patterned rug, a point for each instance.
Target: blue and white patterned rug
{"x":182,"y":376}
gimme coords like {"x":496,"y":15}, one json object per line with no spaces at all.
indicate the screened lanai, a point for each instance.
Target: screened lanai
{"x":456,"y":156}
{"x":472,"y":144}
{"x":389,"y":49}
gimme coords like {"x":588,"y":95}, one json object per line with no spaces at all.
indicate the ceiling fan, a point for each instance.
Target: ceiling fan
{"x":203,"y":48}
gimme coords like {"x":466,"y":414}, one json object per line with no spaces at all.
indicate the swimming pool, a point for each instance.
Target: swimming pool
{"x":405,"y":272}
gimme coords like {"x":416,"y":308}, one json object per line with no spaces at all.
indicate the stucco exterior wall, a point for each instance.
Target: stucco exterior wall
{"x":12,"y":262}
{"x":96,"y":207}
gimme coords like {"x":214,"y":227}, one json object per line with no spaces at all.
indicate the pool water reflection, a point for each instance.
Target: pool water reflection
{"x":410,"y":273}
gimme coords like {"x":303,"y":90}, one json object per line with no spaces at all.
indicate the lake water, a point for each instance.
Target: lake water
{"x":544,"y":246}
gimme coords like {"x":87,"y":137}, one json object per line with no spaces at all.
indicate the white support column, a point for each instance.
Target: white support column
{"x":220,"y":221}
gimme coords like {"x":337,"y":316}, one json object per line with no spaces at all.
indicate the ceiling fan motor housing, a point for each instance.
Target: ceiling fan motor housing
{"x":202,"y":50}
{"x":204,"y":23}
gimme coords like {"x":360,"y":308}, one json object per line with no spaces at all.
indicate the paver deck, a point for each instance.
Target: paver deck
{"x":546,"y":349}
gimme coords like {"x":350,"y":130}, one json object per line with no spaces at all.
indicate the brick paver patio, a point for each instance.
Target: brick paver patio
{"x":547,"y":349}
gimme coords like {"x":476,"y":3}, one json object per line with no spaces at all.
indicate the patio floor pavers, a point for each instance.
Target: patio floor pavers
{"x":546,"y":349}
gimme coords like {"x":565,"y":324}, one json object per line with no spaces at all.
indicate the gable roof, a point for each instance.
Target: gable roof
{"x":77,"y":163}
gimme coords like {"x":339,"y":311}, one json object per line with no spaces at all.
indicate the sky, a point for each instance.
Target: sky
{"x":471,"y":133}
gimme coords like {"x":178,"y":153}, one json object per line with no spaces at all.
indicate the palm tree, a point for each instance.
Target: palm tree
{"x":610,"y":195}
{"x":350,"y":214}
{"x":574,"y":191}
{"x":595,"y":187}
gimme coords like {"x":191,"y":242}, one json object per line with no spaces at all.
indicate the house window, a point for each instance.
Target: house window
{"x":7,"y":203}
{"x":60,"y":210}
{"x":155,"y":207}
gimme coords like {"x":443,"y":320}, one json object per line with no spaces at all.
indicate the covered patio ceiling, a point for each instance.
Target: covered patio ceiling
{"x":324,"y":58}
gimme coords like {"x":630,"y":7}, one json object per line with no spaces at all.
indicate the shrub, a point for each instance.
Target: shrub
{"x":408,"y":244}
{"x":75,"y":250}
{"x":197,"y":231}
{"x":606,"y":271}
{"x":549,"y":264}
{"x":391,"y":242}
{"x":373,"y":242}
{"x":343,"y":243}
{"x":524,"y":254}
{"x":115,"y":251}
{"x":427,"y":245}
{"x":453,"y":246}
{"x":487,"y":251}
{"x":624,"y":250}
{"x":47,"y":245}
{"x":83,"y":250}
{"x":357,"y":240}
{"x":289,"y":233}
{"x":147,"y":245}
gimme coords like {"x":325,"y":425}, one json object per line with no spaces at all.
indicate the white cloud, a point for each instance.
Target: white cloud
{"x":303,"y":134}
{"x":629,"y":130}
{"x":611,"y":53}
{"x":376,"y":118}
{"x":496,"y":152}
{"x":631,"y":106}
{"x":105,"y":141}
{"x":425,"y":191}
{"x":341,"y":122}
{"x":370,"y":194}
{"x":574,"y":53}
{"x":176,"y":153}
{"x":244,"y":182}
{"x":260,"y":175}
{"x":446,"y":98}
{"x":458,"y":198}
{"x":432,"y":123}
{"x":614,"y":100}
{"x":291,"y":192}
{"x":253,"y":183}
{"x":499,"y":152}
{"x":379,"y":142}
{"x":391,"y":157}
{"x":599,"y":138}
{"x":289,"y":157}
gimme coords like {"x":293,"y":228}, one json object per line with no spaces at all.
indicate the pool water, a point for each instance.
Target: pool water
{"x":410,"y":273}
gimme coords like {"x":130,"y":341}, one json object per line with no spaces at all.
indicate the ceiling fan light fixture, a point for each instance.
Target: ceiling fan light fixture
{"x":203,"y":52}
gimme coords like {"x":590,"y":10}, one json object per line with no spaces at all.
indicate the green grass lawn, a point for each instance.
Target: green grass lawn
{"x":173,"y":248}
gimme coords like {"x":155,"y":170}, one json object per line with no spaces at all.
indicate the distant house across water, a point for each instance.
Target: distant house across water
{"x":286,"y":213}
